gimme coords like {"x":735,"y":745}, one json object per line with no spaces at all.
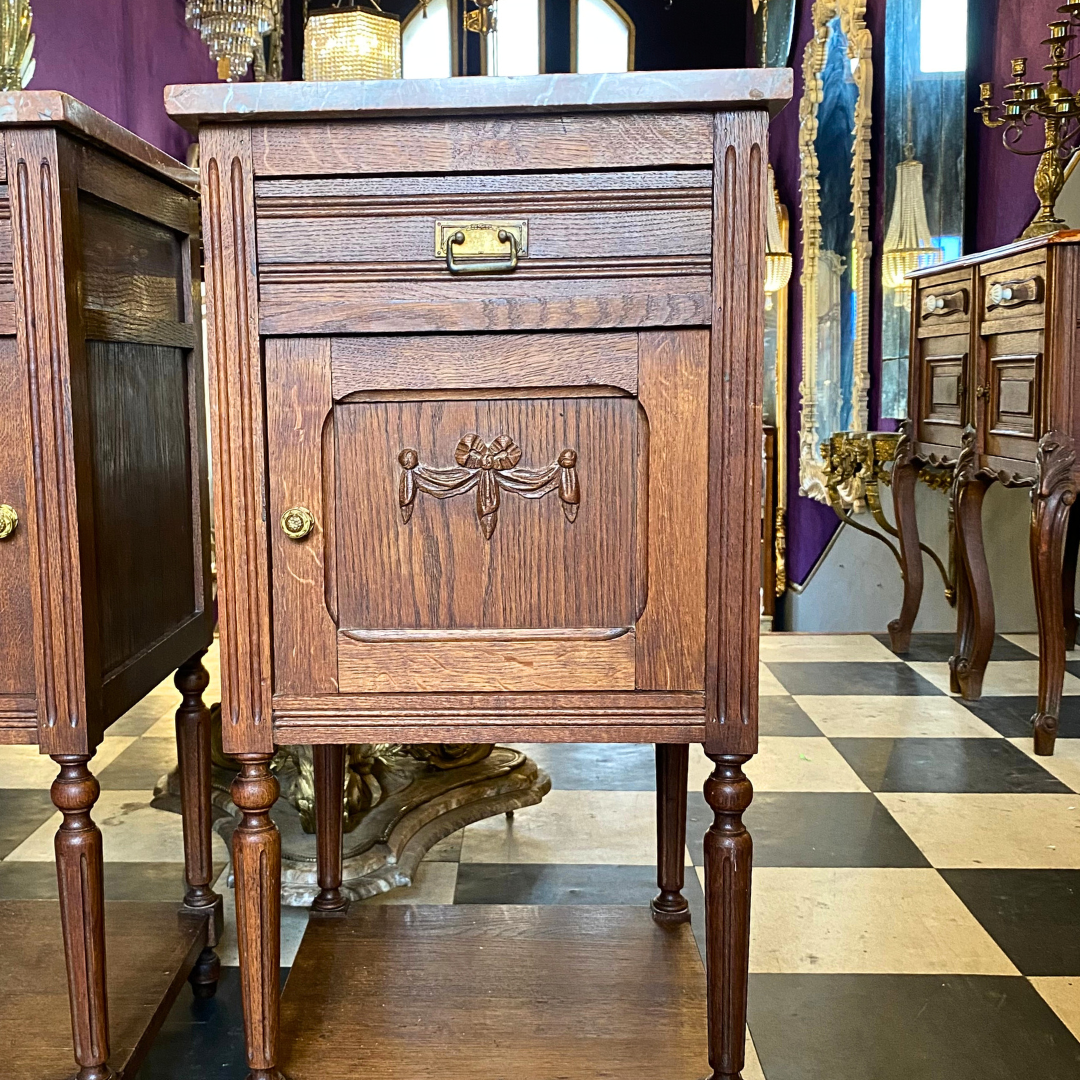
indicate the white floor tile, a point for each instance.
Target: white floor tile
{"x":855,"y":716}
{"x":1003,"y":678}
{"x":824,"y":647}
{"x":27,"y":767}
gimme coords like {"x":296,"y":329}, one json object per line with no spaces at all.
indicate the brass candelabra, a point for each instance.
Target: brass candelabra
{"x":1053,"y":103}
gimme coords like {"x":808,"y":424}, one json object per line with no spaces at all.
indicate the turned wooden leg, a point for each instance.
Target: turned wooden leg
{"x":193,"y":754}
{"x":975,"y":597}
{"x":1051,"y":498}
{"x":1068,"y":580}
{"x":329,"y":812}
{"x":672,"y":767}
{"x":79,"y":872}
{"x":904,"y":476}
{"x":728,"y":855}
{"x":257,"y":869}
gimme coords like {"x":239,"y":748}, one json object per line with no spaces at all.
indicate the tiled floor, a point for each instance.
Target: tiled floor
{"x":917,"y":871}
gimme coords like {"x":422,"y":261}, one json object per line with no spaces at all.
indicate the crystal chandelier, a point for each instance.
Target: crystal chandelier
{"x":777,"y":256}
{"x":357,"y":40}
{"x":908,"y":243}
{"x":232,"y":30}
{"x":16,"y":44}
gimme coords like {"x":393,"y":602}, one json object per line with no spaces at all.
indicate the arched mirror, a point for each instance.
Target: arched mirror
{"x":834,"y":146}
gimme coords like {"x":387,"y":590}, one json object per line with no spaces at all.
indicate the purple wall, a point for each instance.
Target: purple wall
{"x":118,"y":56}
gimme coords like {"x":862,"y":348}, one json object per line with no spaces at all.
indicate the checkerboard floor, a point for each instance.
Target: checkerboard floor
{"x":916,"y":907}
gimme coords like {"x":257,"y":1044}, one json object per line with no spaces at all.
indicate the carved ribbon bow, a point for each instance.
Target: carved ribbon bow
{"x":489,"y":468}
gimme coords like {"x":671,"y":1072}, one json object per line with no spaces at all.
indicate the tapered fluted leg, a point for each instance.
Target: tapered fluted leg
{"x":257,"y":868}
{"x":1051,"y":499}
{"x":193,"y":754}
{"x":728,"y":857}
{"x":79,"y":873}
{"x":672,"y":766}
{"x":904,"y":476}
{"x":329,"y":811}
{"x":975,"y":596}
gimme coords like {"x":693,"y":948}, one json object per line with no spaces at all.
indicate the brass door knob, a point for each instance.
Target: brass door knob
{"x":9,"y":521}
{"x":297,"y":522}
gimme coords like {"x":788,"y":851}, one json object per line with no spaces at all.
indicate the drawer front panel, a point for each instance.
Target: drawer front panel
{"x":1014,"y":296}
{"x":598,"y":249}
{"x":943,"y":307}
{"x":1012,"y":394}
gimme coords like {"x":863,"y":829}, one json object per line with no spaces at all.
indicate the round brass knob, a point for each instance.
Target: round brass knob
{"x":297,"y":522}
{"x":9,"y":521}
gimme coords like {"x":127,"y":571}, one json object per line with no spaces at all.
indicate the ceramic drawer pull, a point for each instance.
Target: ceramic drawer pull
{"x":1008,"y":294}
{"x":945,"y":303}
{"x":9,"y":521}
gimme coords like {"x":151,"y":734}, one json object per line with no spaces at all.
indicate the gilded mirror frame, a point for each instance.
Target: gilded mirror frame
{"x":852,"y":16}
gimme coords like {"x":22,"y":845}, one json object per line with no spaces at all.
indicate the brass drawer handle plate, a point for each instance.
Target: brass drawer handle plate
{"x":491,"y":469}
{"x":945,"y":303}
{"x":9,"y":521}
{"x":473,"y":241}
{"x":1010,"y":294}
{"x":297,"y":522}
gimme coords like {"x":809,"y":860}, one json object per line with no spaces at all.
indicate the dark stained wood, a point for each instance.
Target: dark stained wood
{"x":672,"y":768}
{"x":620,"y":996}
{"x":151,"y":950}
{"x":329,"y":822}
{"x":732,"y":578}
{"x":1052,"y":501}
{"x":904,"y":475}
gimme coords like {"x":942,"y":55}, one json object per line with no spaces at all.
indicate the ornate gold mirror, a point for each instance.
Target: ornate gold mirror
{"x":834,"y":150}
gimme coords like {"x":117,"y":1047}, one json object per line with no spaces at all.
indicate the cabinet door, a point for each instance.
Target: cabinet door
{"x":517,"y":513}
{"x":17,"y":708}
{"x":941,"y":385}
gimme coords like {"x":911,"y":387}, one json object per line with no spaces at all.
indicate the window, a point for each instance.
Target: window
{"x":943,"y":35}
{"x":425,"y":43}
{"x":514,"y":48}
{"x":603,"y":36}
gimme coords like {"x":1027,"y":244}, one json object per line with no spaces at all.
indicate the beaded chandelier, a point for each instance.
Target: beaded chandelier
{"x":233,"y":30}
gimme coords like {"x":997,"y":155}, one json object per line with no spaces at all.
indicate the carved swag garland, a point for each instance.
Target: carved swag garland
{"x":490,"y":468}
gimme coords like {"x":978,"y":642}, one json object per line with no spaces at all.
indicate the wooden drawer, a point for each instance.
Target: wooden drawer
{"x":598,"y":248}
{"x":1013,"y":295}
{"x":520,"y":520}
{"x":943,"y":305}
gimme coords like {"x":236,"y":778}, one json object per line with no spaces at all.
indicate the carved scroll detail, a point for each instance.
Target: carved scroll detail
{"x":490,"y":468}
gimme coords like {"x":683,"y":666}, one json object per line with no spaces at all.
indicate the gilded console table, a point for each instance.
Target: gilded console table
{"x":104,"y":526}
{"x":993,"y":396}
{"x":486,"y":380}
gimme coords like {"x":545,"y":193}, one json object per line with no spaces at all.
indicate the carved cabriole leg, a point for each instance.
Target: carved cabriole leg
{"x":329,"y":813}
{"x":82,"y":913}
{"x":1068,"y":580}
{"x":193,"y":754}
{"x":975,"y":596}
{"x":904,"y":476}
{"x":672,"y":766}
{"x":1051,"y":499}
{"x":728,"y":856}
{"x":257,"y":867}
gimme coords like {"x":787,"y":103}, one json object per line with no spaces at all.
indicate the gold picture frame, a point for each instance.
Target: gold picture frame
{"x":851,"y":18}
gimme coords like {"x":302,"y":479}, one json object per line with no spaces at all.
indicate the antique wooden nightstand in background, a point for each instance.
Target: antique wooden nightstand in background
{"x":486,"y":395}
{"x":104,"y":547}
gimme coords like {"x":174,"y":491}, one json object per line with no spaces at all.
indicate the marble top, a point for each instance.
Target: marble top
{"x":56,"y":109}
{"x":717,"y":88}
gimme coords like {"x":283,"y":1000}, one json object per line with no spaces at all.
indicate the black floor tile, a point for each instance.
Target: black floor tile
{"x":1073,"y":667}
{"x":782,"y":716}
{"x":1034,"y":915}
{"x":139,"y":767}
{"x":554,"y":883}
{"x":937,"y":648}
{"x":972,"y":765}
{"x":851,"y":677}
{"x":123,"y":881}
{"x":813,"y":828}
{"x":907,"y":1027}
{"x":1011,"y":716}
{"x":22,"y":811}
{"x":596,"y":766}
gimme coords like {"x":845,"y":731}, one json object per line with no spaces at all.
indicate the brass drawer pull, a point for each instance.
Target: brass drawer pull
{"x":9,"y":521}
{"x":945,"y":303}
{"x":1009,"y":294}
{"x":297,"y":522}
{"x":487,"y":266}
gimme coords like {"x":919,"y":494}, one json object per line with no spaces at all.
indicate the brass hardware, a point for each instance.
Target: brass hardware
{"x":982,"y":392}
{"x":9,"y":521}
{"x":297,"y":522}
{"x":945,"y":303}
{"x":1007,"y":294}
{"x":471,"y":240}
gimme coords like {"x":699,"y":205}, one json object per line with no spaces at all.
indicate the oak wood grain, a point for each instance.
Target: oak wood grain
{"x":485,"y":665}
